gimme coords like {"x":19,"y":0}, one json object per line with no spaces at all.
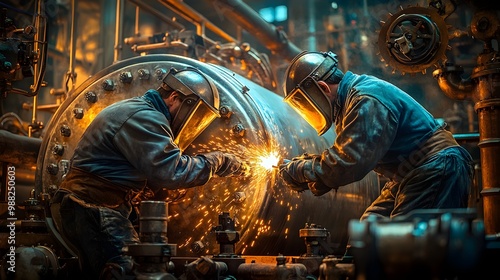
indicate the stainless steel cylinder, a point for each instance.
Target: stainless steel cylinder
{"x":254,"y":122}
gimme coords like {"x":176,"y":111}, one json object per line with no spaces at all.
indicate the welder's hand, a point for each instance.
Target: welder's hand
{"x":318,"y":188}
{"x":304,"y":156}
{"x":298,"y":174}
{"x":226,"y":164}
{"x":289,"y":174}
{"x":234,"y":167}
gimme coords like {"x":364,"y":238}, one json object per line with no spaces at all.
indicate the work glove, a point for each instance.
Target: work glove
{"x":226,"y":164}
{"x":291,"y":173}
{"x":298,"y":175}
{"x":318,"y":188}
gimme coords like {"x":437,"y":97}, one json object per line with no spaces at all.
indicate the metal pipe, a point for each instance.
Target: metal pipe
{"x":23,"y":177}
{"x":33,"y":116}
{"x":488,"y":111}
{"x":311,"y":27}
{"x":39,"y":67}
{"x":143,"y":5}
{"x":196,"y":18}
{"x":72,"y":49}
{"x":451,"y":83}
{"x":136,"y":23}
{"x":118,"y":31}
{"x":466,"y":137}
{"x":40,"y":47}
{"x":17,"y":149}
{"x":482,"y":87}
{"x":269,"y":35}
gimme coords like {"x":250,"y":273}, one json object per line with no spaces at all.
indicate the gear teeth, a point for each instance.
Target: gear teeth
{"x":419,"y":9}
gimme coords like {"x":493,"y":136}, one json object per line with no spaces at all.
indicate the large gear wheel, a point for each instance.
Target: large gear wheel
{"x":413,"y":39}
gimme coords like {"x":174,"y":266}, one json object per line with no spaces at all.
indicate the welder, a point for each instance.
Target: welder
{"x":378,"y":127}
{"x":135,"y":147}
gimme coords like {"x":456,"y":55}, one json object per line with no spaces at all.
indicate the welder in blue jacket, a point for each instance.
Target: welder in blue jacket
{"x":132,"y":145}
{"x":379,"y":127}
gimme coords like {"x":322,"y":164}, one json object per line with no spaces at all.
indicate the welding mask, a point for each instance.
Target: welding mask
{"x":199,"y":107}
{"x":302,"y":91}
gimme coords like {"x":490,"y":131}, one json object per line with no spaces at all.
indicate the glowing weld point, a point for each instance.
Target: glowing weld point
{"x":269,"y":161}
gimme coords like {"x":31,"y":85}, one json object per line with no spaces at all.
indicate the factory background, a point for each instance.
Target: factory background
{"x":348,"y":28}
{"x":86,"y":49}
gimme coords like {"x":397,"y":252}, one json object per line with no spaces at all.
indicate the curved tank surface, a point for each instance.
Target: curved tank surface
{"x":255,"y":122}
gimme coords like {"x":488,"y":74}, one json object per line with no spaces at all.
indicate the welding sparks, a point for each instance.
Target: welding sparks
{"x":243,"y":199}
{"x":269,"y":161}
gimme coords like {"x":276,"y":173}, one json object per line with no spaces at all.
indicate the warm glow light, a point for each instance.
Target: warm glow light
{"x":269,"y":161}
{"x":243,"y":201}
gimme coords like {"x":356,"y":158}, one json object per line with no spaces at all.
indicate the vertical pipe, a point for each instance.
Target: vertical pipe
{"x":33,"y":116}
{"x":311,"y":27}
{"x":488,"y":111}
{"x":118,"y":31}
{"x":37,"y":69}
{"x":137,"y":11}
{"x":72,"y":49}
{"x":39,"y":48}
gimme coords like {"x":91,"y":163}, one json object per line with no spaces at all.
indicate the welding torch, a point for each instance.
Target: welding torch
{"x":284,"y":161}
{"x":281,"y":162}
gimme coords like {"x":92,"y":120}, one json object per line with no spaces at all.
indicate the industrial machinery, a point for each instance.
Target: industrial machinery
{"x":250,"y":228}
{"x":415,"y":38}
{"x":254,"y":123}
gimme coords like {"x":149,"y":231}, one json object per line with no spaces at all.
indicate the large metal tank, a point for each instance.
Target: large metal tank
{"x":254,"y":123}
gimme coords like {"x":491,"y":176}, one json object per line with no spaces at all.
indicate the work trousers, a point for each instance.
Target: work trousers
{"x":99,"y":233}
{"x":443,"y":181}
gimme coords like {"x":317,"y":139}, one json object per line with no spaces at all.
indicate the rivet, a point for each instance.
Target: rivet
{"x":143,"y":74}
{"x":65,"y":130}
{"x":78,"y":113}
{"x":58,"y":149}
{"x":239,"y":130}
{"x":52,"y":169}
{"x":126,"y":77}
{"x":91,"y":97}
{"x":108,"y":85}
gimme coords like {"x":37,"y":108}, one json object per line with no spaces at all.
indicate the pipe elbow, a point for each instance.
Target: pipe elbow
{"x":452,"y":84}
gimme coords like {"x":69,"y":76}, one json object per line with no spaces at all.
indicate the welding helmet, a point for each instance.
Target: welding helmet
{"x":199,"y":103}
{"x":302,"y":91}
